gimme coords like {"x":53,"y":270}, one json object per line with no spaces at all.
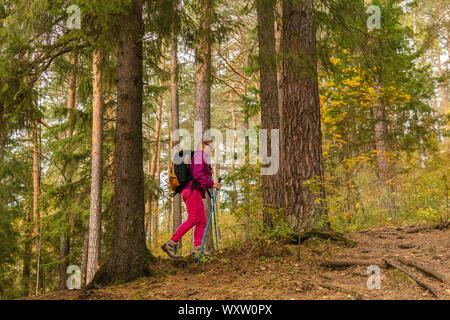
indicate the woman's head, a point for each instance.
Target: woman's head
{"x":207,"y":146}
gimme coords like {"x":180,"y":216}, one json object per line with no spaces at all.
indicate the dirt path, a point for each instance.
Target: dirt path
{"x":276,"y":273}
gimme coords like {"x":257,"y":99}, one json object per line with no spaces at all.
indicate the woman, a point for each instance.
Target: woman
{"x":193,"y":194}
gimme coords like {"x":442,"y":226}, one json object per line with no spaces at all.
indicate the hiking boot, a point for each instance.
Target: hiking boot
{"x":196,"y":251}
{"x":170,"y":248}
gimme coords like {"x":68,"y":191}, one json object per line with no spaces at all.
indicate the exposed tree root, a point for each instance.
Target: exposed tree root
{"x":426,"y":270}
{"x":334,"y":236}
{"x":419,"y":229}
{"x":331,"y":287}
{"x":108,"y":275}
{"x":409,"y":274}
{"x":345,"y":264}
{"x":406,"y":246}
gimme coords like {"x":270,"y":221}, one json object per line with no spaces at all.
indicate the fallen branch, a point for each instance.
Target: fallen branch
{"x":426,"y":270}
{"x":418,"y":281}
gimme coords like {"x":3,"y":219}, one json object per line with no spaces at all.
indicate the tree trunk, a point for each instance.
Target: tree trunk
{"x":95,"y":216}
{"x":36,"y":170}
{"x":64,"y":241}
{"x":169,"y":162}
{"x":234,"y":127}
{"x":156,"y":201}
{"x":442,"y":86}
{"x":110,"y":115}
{"x":129,"y":255}
{"x":384,"y":170}
{"x":301,"y":136}
{"x":175,"y":125}
{"x":26,"y":272}
{"x":64,"y":250}
{"x":155,"y":163}
{"x":148,"y":201}
{"x":270,"y":118}
{"x":3,"y":131}
{"x":84,"y":258}
{"x":203,"y":86}
{"x":246,"y":178}
{"x":278,"y":32}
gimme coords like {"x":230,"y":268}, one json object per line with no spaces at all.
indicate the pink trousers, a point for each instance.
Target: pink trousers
{"x":196,"y":216}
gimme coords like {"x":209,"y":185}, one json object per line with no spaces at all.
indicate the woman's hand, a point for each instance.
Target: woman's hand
{"x":217,"y":185}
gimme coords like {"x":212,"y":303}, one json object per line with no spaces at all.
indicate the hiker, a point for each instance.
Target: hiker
{"x":192,"y":194}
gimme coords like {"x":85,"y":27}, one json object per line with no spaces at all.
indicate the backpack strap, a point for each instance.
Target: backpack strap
{"x":193,"y":181}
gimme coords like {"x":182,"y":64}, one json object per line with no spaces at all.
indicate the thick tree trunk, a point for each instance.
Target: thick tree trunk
{"x":129,"y":255}
{"x":64,"y":241}
{"x":301,"y":136}
{"x":203,"y":85}
{"x":95,"y":216}
{"x":175,"y":125}
{"x":270,"y":118}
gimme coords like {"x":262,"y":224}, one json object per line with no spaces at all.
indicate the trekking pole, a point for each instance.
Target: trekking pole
{"x":215,"y":223}
{"x":207,"y":226}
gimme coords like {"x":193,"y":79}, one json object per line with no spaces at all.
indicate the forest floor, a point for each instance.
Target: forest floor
{"x":276,"y":273}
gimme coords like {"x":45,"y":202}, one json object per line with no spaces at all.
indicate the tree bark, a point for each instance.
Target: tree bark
{"x":95,"y":216}
{"x":64,"y":242}
{"x":129,"y":255}
{"x":36,"y":173}
{"x":26,"y":272}
{"x":84,"y":258}
{"x":301,"y":136}
{"x":246,"y":178}
{"x":379,"y":114}
{"x":442,"y":86}
{"x":175,"y":125}
{"x":270,"y":118}
{"x":156,"y":201}
{"x":203,"y":85}
{"x":233,"y":164}
{"x":155,"y":163}
{"x":278,"y":33}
